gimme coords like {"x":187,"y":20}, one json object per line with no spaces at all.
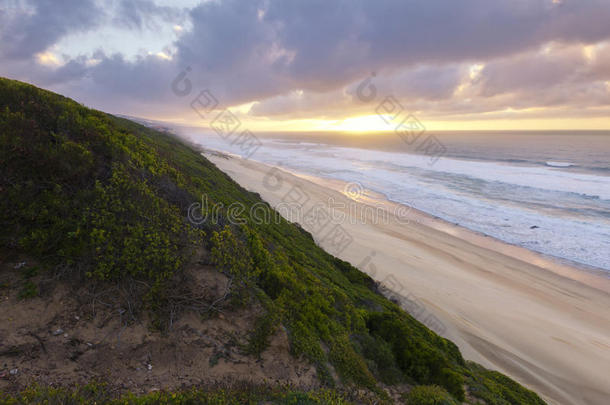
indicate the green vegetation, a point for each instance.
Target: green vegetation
{"x":29,"y":289}
{"x":497,"y":389}
{"x":239,"y":395}
{"x":103,"y":198}
{"x":428,"y":395}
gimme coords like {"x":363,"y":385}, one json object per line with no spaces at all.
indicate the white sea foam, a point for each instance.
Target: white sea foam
{"x":559,"y":164}
{"x":544,"y":208}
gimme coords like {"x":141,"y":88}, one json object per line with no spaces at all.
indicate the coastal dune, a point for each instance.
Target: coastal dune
{"x":545,"y":324}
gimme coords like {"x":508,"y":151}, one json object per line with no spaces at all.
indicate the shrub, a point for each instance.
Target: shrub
{"x":231,"y":255}
{"x":264,"y":328}
{"x":428,"y":395}
{"x":379,"y":357}
{"x":453,"y":382}
{"x":497,"y":389}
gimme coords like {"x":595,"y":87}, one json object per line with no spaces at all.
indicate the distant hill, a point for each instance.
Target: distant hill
{"x":107,"y":288}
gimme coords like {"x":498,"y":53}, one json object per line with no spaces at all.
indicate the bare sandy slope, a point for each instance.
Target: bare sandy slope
{"x":548,"y":331}
{"x":67,"y":337}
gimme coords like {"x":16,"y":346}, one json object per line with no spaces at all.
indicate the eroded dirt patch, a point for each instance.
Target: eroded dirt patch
{"x":54,"y":339}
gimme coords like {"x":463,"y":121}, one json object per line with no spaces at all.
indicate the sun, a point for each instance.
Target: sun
{"x":364,"y":123}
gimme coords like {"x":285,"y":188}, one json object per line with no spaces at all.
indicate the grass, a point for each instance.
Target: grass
{"x":102,"y":198}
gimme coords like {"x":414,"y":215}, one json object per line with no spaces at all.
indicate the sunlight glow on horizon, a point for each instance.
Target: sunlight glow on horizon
{"x":373,"y":123}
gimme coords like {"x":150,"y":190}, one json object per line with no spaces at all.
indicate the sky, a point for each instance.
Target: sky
{"x":286,"y":65}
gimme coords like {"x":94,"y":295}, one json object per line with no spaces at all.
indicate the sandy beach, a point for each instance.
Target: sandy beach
{"x":543,"y":323}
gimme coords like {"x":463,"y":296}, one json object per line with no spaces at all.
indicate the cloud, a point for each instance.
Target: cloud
{"x":532,"y":71}
{"x":600,"y":63}
{"x":139,"y":14}
{"x":336,"y":42}
{"x":422,"y":82}
{"x":556,"y":75}
{"x":305,"y":59}
{"x":28,"y":28}
{"x":263,"y":49}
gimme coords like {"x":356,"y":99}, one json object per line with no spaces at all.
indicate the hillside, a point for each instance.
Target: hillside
{"x":105,"y":282}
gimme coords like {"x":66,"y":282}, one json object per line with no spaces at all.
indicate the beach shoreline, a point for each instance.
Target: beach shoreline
{"x":544,"y":323}
{"x":592,"y":276}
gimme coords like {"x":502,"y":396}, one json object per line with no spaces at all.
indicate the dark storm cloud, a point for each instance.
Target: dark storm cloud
{"x":27,"y":28}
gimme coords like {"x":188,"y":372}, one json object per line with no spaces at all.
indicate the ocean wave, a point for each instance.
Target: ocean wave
{"x":545,"y":207}
{"x":559,"y":164}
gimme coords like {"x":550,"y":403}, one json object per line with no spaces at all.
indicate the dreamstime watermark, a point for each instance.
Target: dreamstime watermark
{"x":405,"y":125}
{"x":354,"y":212}
{"x":353,"y":190}
{"x":325,"y":220}
{"x":395,"y":291}
{"x":327,"y":227}
{"x":225,"y":123}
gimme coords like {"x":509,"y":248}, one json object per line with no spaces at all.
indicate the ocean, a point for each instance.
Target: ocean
{"x":545,"y":191}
